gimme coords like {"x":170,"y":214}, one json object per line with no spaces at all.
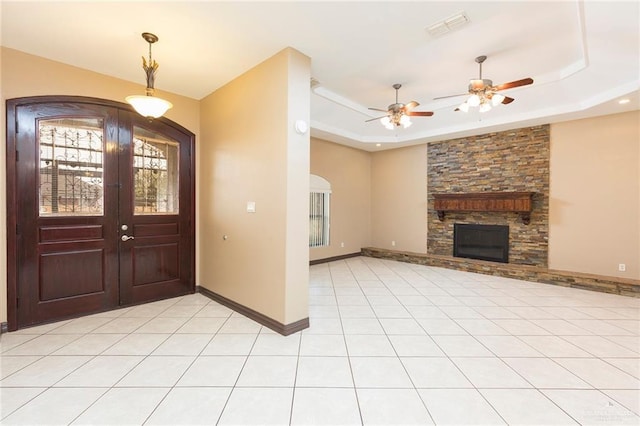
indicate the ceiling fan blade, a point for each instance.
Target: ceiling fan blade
{"x":378,"y":109}
{"x":512,"y":84}
{"x":411,"y":105}
{"x":450,"y":96}
{"x":374,"y":119}
{"x":507,"y":100}
{"x":419,"y":113}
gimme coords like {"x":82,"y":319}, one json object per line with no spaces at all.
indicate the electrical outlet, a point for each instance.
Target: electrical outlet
{"x":393,"y":243}
{"x":341,"y":244}
{"x":622,"y":267}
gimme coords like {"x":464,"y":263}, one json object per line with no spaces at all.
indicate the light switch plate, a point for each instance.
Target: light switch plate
{"x":251,"y":206}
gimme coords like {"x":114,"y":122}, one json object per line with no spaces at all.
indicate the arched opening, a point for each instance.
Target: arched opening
{"x":319,"y":211}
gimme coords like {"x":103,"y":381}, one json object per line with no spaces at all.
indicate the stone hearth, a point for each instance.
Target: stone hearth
{"x":614,"y":285}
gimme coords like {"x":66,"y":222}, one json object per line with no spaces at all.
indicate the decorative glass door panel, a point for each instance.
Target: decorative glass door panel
{"x":71,"y":167}
{"x":102,"y":205}
{"x":155,"y":172}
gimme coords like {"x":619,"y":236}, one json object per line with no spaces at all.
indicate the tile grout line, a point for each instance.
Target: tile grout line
{"x":132,"y":332}
{"x":344,"y":337}
{"x":192,"y":362}
{"x":295,"y":379}
{"x":233,"y":387}
{"x":415,"y":388}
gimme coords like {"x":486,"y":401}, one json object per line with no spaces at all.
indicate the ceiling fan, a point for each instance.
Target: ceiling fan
{"x":398,"y":114}
{"x":484,"y":93}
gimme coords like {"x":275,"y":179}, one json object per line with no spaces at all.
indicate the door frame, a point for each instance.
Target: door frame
{"x":12,"y":192}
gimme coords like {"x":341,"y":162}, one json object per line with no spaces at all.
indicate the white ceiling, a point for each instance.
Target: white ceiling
{"x":583,"y":56}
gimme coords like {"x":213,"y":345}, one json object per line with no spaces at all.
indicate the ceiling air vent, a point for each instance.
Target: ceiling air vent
{"x":451,"y":23}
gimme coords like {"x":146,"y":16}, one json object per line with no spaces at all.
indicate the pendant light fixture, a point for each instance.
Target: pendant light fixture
{"x":148,"y":105}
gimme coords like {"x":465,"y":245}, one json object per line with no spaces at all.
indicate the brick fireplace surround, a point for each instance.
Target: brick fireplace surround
{"x":511,"y":161}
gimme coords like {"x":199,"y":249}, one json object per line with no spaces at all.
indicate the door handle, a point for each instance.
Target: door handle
{"x":127,"y":238}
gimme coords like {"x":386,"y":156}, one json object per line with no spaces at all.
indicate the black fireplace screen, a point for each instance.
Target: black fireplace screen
{"x":483,"y":242}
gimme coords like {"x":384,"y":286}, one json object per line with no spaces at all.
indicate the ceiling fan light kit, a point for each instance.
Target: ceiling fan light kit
{"x":148,"y":105}
{"x":390,"y":122}
{"x":386,"y":122}
{"x":474,"y":100}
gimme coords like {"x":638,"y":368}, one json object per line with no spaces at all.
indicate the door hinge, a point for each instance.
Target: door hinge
{"x":17,"y":229}
{"x":17,"y":155}
{"x":17,"y":128}
{"x":17,"y":302}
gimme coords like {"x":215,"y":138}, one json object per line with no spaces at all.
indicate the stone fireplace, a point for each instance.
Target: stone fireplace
{"x":514,"y":161}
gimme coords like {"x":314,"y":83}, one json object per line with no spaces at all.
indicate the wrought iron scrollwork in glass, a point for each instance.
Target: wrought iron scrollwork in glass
{"x":155,"y":173}
{"x":71,"y":167}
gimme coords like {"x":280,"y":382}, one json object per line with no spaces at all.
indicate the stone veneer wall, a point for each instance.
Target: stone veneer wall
{"x":514,"y":160}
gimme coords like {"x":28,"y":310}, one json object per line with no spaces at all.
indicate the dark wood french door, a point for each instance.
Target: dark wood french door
{"x":100,"y":208}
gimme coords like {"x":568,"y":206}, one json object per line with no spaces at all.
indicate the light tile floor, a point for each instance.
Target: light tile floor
{"x":389,"y":343}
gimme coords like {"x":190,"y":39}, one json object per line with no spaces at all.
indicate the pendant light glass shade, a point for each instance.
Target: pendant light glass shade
{"x":497,"y":99}
{"x":386,"y":122}
{"x":485,"y":106}
{"x":149,"y":106}
{"x":474,"y":100}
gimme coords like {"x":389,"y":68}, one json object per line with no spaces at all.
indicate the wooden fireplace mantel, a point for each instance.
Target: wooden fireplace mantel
{"x":518,"y":202}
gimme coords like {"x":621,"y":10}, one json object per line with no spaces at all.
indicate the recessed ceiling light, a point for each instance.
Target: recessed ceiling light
{"x":624,"y":101}
{"x":378,"y":144}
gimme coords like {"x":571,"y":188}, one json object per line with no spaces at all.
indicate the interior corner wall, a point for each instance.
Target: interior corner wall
{"x":298,"y":166}
{"x":348,"y":170}
{"x":22,"y":75}
{"x":247,"y":148}
{"x":399,"y":199}
{"x":594,"y":216}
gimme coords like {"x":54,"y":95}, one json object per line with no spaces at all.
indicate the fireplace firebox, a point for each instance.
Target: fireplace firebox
{"x":482,"y":242}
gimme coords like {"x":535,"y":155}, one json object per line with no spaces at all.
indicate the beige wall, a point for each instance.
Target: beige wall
{"x":594,"y":196}
{"x":399,"y":199}
{"x":349,"y":172}
{"x":27,"y":75}
{"x":246,"y":146}
{"x":298,"y":166}
{"x":595,"y":200}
